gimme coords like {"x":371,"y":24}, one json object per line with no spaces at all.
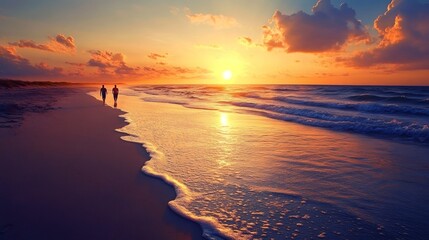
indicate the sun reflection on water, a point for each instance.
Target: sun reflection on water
{"x":225,"y":142}
{"x":224,"y":119}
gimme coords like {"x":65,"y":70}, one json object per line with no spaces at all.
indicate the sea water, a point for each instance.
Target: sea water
{"x":280,"y":161}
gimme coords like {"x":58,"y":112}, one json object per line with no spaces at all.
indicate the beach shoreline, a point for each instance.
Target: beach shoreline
{"x":205,"y":149}
{"x":96,"y":191}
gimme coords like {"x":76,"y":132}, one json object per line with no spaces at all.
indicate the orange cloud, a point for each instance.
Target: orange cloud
{"x":156,"y":56}
{"x":218,"y":21}
{"x":60,"y":44}
{"x":327,"y":29}
{"x":246,"y":41}
{"x":172,"y":71}
{"x":113,"y":64}
{"x":209,"y":46}
{"x":31,"y":44}
{"x":76,"y":64}
{"x":404,"y":37}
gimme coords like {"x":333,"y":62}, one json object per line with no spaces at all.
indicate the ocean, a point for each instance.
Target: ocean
{"x":285,"y":161}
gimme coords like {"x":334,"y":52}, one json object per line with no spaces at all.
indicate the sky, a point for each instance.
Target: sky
{"x":365,"y":42}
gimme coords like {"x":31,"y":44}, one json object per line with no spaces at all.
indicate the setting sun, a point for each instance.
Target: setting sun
{"x":227,"y":74}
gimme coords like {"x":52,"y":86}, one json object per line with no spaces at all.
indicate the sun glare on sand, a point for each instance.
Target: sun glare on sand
{"x":227,"y":75}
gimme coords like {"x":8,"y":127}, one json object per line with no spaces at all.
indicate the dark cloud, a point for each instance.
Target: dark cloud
{"x":13,"y":65}
{"x":246,"y":41}
{"x":404,"y":38}
{"x":60,"y":43}
{"x":110,"y":63}
{"x":76,"y":64}
{"x":30,"y":44}
{"x":156,"y":56}
{"x":326,"y":29}
{"x":67,"y":42}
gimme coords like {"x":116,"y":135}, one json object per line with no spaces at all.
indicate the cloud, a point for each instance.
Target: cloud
{"x":110,"y":63}
{"x":404,"y":38}
{"x":247,"y":41}
{"x":209,"y":46}
{"x":30,"y":44}
{"x":156,"y":56}
{"x":13,"y":65}
{"x":60,"y":44}
{"x":75,"y":64}
{"x":327,"y":29}
{"x":174,"y":71}
{"x":218,"y":21}
{"x":65,"y":42}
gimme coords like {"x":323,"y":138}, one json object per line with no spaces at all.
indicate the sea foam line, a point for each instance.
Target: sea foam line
{"x":212,"y":229}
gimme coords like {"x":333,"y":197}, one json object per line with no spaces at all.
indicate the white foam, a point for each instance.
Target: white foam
{"x":212,"y":229}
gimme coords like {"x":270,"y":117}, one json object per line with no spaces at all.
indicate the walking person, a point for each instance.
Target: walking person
{"x":115,"y":92}
{"x":103,"y":93}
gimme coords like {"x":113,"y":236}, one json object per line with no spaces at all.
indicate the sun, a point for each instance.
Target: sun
{"x":227,"y":74}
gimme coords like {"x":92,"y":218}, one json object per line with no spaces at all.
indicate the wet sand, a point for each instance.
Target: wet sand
{"x":66,"y":174}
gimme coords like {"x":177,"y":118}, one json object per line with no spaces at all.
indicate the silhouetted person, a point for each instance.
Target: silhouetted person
{"x":115,"y":92}
{"x":103,"y":93}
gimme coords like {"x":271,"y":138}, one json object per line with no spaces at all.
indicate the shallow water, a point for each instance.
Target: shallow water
{"x":242,"y":174}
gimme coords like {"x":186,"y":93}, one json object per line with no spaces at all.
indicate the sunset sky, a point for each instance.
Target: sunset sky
{"x":169,"y":41}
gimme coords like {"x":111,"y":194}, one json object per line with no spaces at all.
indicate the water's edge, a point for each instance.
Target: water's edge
{"x":208,"y":225}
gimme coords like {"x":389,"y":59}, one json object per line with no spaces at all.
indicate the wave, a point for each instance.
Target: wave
{"x":181,"y":102}
{"x":396,"y":99}
{"x":245,"y":94}
{"x":286,"y":89}
{"x":213,"y":88}
{"x":362,"y":107}
{"x":365,"y":107}
{"x":306,"y":106}
{"x":358,"y":124}
{"x":212,"y":229}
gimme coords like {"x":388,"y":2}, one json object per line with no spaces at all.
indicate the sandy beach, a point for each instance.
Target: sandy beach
{"x":66,"y":174}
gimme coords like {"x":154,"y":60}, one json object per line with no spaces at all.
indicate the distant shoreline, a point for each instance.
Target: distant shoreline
{"x":9,"y":83}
